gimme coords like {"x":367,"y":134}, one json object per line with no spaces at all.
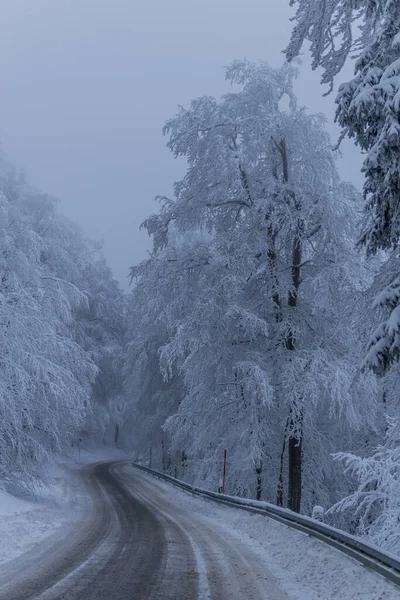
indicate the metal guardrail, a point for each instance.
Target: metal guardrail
{"x":371,"y":556}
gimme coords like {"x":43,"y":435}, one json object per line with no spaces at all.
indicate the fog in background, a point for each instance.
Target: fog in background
{"x":86,"y":86}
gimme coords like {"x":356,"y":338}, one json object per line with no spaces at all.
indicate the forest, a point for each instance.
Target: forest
{"x":265,"y":322}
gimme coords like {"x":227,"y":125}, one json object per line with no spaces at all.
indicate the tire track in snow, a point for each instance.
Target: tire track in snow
{"x":203,"y":592}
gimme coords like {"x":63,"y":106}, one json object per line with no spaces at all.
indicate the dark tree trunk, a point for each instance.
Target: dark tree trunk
{"x":259,"y":481}
{"x":279,"y":491}
{"x":295,"y":419}
{"x":116,"y":435}
{"x":295,"y":415}
{"x":163,"y":454}
{"x":295,"y":473}
{"x":184,"y":462}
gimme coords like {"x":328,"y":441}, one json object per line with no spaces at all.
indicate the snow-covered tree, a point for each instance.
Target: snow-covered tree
{"x":253,"y":276}
{"x":71,"y":260}
{"x":329,"y":27}
{"x":374,"y":507}
{"x":47,"y":373}
{"x":383,"y":349}
{"x":368,"y":109}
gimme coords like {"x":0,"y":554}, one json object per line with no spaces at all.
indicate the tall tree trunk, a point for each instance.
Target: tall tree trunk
{"x":295,"y":417}
{"x":295,"y":441}
{"x":295,"y":473}
{"x":183,"y":463}
{"x":163,"y":453}
{"x":116,"y":435}
{"x":259,"y":480}
{"x":272,"y":265}
{"x":279,"y":491}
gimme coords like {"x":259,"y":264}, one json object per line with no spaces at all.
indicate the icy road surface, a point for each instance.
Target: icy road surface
{"x":141,"y":539}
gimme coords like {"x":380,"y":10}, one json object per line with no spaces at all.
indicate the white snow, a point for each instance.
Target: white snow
{"x":25,"y":523}
{"x":305,"y":568}
{"x":393,"y":324}
{"x":396,"y":41}
{"x":318,"y":513}
{"x":10,"y":505}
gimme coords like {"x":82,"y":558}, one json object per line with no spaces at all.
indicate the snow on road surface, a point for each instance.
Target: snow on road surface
{"x":304,"y":567}
{"x":204,"y":550}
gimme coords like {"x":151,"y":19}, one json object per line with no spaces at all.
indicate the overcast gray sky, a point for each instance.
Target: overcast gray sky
{"x":86,"y":86}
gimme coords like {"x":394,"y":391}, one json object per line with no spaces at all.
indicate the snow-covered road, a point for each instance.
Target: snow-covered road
{"x":138,"y":538}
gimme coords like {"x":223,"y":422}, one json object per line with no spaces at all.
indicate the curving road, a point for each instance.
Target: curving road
{"x":135,"y":543}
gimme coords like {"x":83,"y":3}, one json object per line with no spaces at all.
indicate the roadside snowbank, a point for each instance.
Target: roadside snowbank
{"x":26,"y":522}
{"x":10,"y":505}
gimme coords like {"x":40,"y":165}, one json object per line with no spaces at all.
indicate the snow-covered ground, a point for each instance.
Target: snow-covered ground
{"x":25,"y":523}
{"x":304,"y":567}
